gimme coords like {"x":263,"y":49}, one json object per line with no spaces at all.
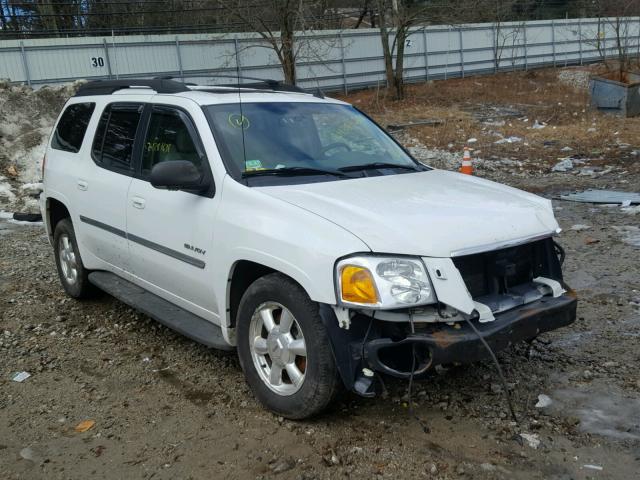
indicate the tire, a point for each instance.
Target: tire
{"x":282,"y":302}
{"x":73,"y":276}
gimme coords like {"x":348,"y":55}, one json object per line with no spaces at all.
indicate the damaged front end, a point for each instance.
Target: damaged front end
{"x":509,"y":295}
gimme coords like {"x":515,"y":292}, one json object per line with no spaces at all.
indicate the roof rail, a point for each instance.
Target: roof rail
{"x":256,"y":84}
{"x":168,"y":85}
{"x":107,"y":87}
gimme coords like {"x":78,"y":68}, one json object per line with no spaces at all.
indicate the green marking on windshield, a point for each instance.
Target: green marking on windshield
{"x":238,"y":121}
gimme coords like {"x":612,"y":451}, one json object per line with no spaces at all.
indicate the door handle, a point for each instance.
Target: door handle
{"x":138,"y":202}
{"x":83,"y":185}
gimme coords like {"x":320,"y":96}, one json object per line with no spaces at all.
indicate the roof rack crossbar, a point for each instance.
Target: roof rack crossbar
{"x":256,"y":84}
{"x":168,"y":85}
{"x":107,"y":87}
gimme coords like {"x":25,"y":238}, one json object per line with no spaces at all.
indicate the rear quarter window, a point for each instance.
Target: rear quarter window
{"x":72,"y":127}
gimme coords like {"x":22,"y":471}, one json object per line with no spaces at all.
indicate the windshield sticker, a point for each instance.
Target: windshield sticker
{"x":238,"y":121}
{"x":253,"y":165}
{"x":158,"y":147}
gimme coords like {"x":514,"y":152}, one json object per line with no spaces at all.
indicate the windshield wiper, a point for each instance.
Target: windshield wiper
{"x":294,"y":171}
{"x":376,"y":165}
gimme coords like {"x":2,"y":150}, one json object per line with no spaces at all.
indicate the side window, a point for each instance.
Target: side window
{"x":71,"y":128}
{"x":168,"y":139}
{"x":98,"y":140}
{"x":115,"y":136}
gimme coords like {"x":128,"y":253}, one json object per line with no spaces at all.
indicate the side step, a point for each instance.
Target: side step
{"x":159,"y":309}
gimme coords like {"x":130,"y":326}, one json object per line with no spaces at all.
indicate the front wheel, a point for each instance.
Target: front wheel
{"x":284,"y":348}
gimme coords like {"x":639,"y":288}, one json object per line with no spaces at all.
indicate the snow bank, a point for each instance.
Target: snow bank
{"x":26,"y":119}
{"x":8,"y":217}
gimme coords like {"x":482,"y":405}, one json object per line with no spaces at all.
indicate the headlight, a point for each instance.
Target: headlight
{"x":383,"y":282}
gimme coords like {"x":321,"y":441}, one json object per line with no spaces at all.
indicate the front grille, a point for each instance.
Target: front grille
{"x":496,"y":272}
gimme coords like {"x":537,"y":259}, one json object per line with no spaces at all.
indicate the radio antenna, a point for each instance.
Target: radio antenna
{"x":242,"y":119}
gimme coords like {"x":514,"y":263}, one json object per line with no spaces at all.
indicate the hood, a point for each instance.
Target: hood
{"x":434,"y":213}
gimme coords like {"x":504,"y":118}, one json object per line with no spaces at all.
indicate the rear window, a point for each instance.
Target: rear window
{"x":69,"y":133}
{"x":115,"y":136}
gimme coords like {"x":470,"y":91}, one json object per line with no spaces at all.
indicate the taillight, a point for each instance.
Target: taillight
{"x":44,"y":161}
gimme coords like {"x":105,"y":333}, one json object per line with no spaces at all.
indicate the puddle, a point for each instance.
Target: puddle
{"x":601,"y":410}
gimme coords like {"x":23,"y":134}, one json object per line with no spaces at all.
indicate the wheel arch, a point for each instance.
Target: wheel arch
{"x":56,"y":211}
{"x":242,"y":274}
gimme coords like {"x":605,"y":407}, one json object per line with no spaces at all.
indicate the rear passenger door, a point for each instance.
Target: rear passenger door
{"x":170,"y":232}
{"x":103,"y":185}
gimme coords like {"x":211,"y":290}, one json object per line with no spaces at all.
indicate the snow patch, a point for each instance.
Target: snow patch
{"x":27,"y":117}
{"x":6,"y":192}
{"x":8,"y":216}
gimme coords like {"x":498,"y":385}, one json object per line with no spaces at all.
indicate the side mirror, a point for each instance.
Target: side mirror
{"x":177,"y":175}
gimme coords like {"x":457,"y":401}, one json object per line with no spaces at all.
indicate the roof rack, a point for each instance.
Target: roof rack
{"x":256,"y":84}
{"x":107,"y":87}
{"x":169,"y":85}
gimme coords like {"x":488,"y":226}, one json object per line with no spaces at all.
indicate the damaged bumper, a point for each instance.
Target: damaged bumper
{"x":508,"y":295}
{"x":398,"y":353}
{"x":439,"y":344}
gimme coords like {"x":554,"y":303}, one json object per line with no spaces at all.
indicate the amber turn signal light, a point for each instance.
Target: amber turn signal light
{"x":357,"y":285}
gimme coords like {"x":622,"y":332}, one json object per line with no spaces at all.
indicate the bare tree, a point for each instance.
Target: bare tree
{"x":399,"y":19}
{"x":508,"y":19}
{"x":281,"y":24}
{"x":4,"y":23}
{"x":45,"y":8}
{"x":616,"y":16}
{"x":364,"y":11}
{"x":396,"y":18}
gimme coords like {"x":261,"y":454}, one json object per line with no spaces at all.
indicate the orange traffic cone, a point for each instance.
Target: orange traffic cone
{"x":467,"y":167}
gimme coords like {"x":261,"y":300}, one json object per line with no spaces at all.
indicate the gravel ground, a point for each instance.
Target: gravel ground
{"x":165,"y":407}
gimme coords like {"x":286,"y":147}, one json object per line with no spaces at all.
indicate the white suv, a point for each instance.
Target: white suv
{"x":293,"y":228}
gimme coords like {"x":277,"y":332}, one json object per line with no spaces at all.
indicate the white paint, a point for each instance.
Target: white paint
{"x":424,"y":213}
{"x":299,"y":230}
{"x":553,"y":285}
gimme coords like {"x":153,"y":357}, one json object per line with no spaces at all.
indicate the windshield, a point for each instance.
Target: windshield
{"x":304,"y":140}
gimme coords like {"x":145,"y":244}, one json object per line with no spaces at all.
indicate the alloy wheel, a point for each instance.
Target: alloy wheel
{"x":278,"y":348}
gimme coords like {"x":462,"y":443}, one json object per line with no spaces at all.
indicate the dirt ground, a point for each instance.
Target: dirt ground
{"x":165,"y":407}
{"x":515,"y":123}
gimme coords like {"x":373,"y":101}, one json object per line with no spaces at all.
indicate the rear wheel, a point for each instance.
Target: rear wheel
{"x":73,"y":275}
{"x":284,"y":348}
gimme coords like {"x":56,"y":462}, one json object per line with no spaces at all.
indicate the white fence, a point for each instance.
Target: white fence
{"x":331,"y":60}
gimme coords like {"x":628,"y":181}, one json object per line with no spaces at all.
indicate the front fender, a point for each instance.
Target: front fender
{"x":256,"y":227}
